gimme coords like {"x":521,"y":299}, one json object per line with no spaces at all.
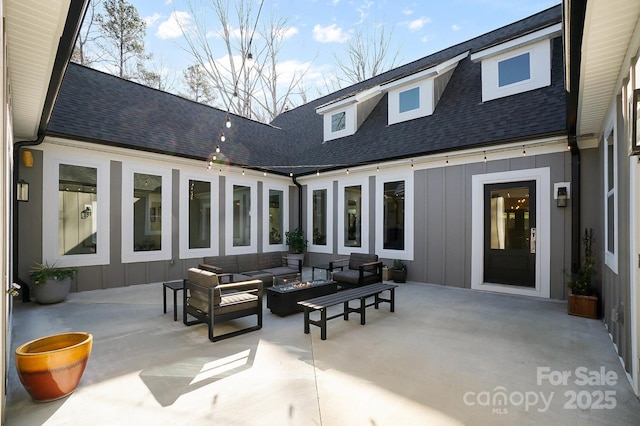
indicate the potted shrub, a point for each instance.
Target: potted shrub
{"x":297,"y":243}
{"x":582,"y":298}
{"x":399,"y":271}
{"x":51,"y":284}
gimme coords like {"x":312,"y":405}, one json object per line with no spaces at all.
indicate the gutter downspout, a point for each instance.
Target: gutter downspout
{"x":574,"y":12}
{"x":73,"y":23}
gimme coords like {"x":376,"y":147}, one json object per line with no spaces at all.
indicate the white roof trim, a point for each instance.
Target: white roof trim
{"x":441,"y":68}
{"x":545,"y":33}
{"x":339,"y":104}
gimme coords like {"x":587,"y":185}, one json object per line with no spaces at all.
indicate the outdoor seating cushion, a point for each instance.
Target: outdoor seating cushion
{"x":204,"y":280}
{"x":247,"y":262}
{"x":357,"y":259}
{"x":235,"y":302}
{"x":351,"y":277}
{"x":269,"y":260}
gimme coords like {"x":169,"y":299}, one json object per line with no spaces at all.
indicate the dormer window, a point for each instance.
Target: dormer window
{"x":514,"y":70}
{"x":338,"y":121}
{"x":409,"y":99}
{"x":518,"y":65}
{"x":416,"y":95}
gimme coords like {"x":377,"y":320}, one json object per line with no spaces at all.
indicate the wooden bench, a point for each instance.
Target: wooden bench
{"x":360,"y":293}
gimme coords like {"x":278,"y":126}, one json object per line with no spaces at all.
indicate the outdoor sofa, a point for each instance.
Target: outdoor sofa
{"x":259,"y":266}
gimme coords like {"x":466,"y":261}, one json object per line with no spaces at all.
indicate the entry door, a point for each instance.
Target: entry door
{"x":509,"y":233}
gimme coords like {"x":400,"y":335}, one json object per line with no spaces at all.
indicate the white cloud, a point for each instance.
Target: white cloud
{"x":407,"y":12}
{"x":417,"y":24}
{"x":455,"y":27}
{"x":150,"y":20}
{"x":330,"y":34}
{"x":288,"y":32}
{"x":363,"y":10}
{"x":175,"y":26}
{"x":425,"y":39}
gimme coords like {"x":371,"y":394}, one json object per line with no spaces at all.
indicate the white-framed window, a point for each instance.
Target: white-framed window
{"x":275,"y":217}
{"x":199,"y":214}
{"x":611,"y":195}
{"x":146,"y":212}
{"x":394,"y":214}
{"x":409,"y":100}
{"x":339,"y":122}
{"x":515,"y":70}
{"x":75,"y":208}
{"x":412,"y":100}
{"x":241,"y":221}
{"x":353,"y":215}
{"x":320,"y":217}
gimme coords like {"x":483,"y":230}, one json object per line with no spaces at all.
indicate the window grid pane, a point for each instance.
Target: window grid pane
{"x":352,"y":216}
{"x":147,"y":212}
{"x":77,"y":210}
{"x":394,"y":217}
{"x":514,"y":70}
{"x":241,"y":216}
{"x":338,"y":121}
{"x":199,"y":214}
{"x":320,"y":217}
{"x":410,"y":99}
{"x":276,"y":221}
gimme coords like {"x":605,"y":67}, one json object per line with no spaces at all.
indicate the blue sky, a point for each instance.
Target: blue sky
{"x":320,"y":29}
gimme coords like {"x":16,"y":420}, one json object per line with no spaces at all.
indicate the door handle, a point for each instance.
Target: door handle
{"x":14,"y":289}
{"x":532,"y":241}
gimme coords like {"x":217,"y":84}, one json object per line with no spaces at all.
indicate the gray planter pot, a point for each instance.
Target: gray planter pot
{"x":52,"y":291}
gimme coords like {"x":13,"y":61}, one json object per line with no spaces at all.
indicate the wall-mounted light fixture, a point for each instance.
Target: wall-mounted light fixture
{"x":562,"y":197}
{"x":22,"y":190}
{"x":85,"y":213}
{"x":27,"y":158}
{"x":561,"y":193}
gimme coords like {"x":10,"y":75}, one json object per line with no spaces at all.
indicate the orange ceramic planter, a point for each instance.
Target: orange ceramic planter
{"x":51,"y":367}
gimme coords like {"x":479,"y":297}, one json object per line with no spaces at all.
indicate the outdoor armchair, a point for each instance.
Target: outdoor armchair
{"x":211,"y":303}
{"x":358,"y":269}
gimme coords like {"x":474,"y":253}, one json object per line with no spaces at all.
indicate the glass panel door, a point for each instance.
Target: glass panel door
{"x":509,"y":229}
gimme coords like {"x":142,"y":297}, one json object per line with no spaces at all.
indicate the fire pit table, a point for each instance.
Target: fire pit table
{"x":283,"y":299}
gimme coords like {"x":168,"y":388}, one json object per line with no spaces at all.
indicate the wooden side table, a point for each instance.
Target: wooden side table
{"x":175,"y":286}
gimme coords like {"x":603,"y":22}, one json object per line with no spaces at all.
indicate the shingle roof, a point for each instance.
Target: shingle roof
{"x":101,"y":108}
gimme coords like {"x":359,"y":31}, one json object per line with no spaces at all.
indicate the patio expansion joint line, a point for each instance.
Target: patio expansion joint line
{"x":315,"y":378}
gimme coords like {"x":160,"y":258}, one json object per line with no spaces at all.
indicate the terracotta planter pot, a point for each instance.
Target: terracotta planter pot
{"x":583,"y":306}
{"x":51,"y":367}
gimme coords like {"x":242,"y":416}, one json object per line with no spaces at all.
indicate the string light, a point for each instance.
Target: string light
{"x":317,"y":172}
{"x":218,"y":149}
{"x":222,"y":138}
{"x":524,"y":153}
{"x":485,"y":156}
{"x":411,"y":164}
{"x":264,"y":173}
{"x":243,"y":171}
{"x":446,"y":162}
{"x":290,"y":174}
{"x":347,"y":171}
{"x":228,"y":122}
{"x":377,"y":168}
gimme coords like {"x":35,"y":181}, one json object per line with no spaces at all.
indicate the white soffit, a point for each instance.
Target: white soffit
{"x":610,"y":31}
{"x":33,"y":30}
{"x":441,"y":68}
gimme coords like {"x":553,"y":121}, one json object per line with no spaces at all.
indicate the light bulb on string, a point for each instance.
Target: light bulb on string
{"x":485,"y":157}
{"x":228,"y":123}
{"x":222,"y":138}
{"x":218,"y":149}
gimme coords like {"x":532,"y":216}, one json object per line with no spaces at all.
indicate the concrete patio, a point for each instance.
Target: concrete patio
{"x":446,"y":356}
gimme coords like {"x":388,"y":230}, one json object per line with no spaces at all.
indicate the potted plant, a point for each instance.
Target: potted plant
{"x":399,"y":271}
{"x":582,"y":298}
{"x":297,"y":243}
{"x":51,"y":284}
